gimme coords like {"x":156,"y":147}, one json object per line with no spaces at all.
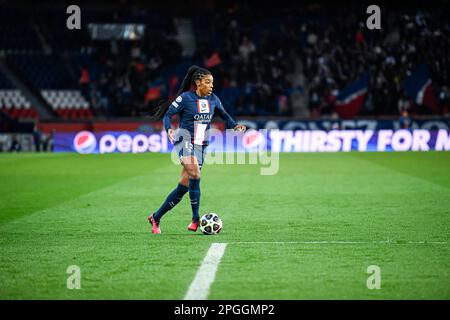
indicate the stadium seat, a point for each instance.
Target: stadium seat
{"x":14,"y":103}
{"x":67,"y":103}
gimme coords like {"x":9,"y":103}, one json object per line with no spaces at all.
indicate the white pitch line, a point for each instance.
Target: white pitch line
{"x":199,"y":288}
{"x":339,"y":242}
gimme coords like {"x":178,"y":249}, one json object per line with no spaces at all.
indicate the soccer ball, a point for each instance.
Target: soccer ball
{"x":210,"y":223}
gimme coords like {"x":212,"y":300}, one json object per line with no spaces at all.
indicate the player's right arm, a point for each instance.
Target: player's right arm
{"x":174,"y":108}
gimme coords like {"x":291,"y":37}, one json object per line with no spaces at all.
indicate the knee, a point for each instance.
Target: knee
{"x":194,"y":173}
{"x":184,"y":180}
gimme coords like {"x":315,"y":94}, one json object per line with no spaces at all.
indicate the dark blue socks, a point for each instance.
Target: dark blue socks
{"x":194,"y":195}
{"x":172,"y":200}
{"x":177,"y":194}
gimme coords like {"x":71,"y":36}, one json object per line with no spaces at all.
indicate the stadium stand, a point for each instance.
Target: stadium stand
{"x":17,"y":34}
{"x":68,"y":104}
{"x":13,"y":103}
{"x":266,"y":61}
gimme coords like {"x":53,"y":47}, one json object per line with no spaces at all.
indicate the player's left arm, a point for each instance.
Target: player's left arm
{"x":231,"y":124}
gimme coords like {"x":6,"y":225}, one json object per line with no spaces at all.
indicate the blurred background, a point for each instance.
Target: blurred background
{"x":305,"y":65}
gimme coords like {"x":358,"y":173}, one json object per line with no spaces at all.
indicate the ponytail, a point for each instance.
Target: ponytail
{"x":194,"y":72}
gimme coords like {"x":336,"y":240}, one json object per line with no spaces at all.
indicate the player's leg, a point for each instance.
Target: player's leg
{"x":184,"y":179}
{"x":192,"y":168}
{"x":174,"y":197}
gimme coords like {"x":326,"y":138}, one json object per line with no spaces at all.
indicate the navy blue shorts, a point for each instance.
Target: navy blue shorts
{"x":186,"y":148}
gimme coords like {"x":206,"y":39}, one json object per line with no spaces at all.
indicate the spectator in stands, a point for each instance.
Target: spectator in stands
{"x":37,"y":136}
{"x":403,"y":103}
{"x":299,"y":102}
{"x":266,"y":51}
{"x":444,"y":100}
{"x":405,"y":120}
{"x":84,"y":82}
{"x":246,"y":48}
{"x":47,"y":141}
{"x":15,"y":145}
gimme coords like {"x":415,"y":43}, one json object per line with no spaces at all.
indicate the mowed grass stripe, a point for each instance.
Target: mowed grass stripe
{"x":431,"y":167}
{"x":32,"y":182}
{"x":332,"y":197}
{"x":299,"y":271}
{"x":314,"y":197}
{"x":339,"y":197}
{"x":106,"y":234}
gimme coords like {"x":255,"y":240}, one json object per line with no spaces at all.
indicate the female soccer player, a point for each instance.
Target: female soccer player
{"x":196,"y":110}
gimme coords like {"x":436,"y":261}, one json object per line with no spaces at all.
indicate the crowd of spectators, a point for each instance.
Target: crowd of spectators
{"x":297,"y":63}
{"x":286,"y":62}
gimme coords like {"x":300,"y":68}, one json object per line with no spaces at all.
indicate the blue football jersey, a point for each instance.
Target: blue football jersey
{"x":196,"y":114}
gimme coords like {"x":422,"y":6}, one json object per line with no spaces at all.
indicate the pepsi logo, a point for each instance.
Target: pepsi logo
{"x":84,"y":142}
{"x":253,"y":139}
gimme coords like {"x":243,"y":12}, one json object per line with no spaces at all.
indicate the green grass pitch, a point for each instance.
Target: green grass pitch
{"x":308,"y":232}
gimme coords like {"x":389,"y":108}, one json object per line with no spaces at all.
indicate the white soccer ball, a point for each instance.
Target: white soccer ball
{"x":210,"y":223}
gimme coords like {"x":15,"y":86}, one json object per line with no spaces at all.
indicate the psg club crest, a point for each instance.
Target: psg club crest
{"x":203,"y":106}
{"x":84,"y":142}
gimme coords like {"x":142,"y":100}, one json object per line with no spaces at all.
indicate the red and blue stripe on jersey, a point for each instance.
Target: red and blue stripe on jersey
{"x":196,"y":114}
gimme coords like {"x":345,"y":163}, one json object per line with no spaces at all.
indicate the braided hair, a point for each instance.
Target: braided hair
{"x":194,"y":73}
